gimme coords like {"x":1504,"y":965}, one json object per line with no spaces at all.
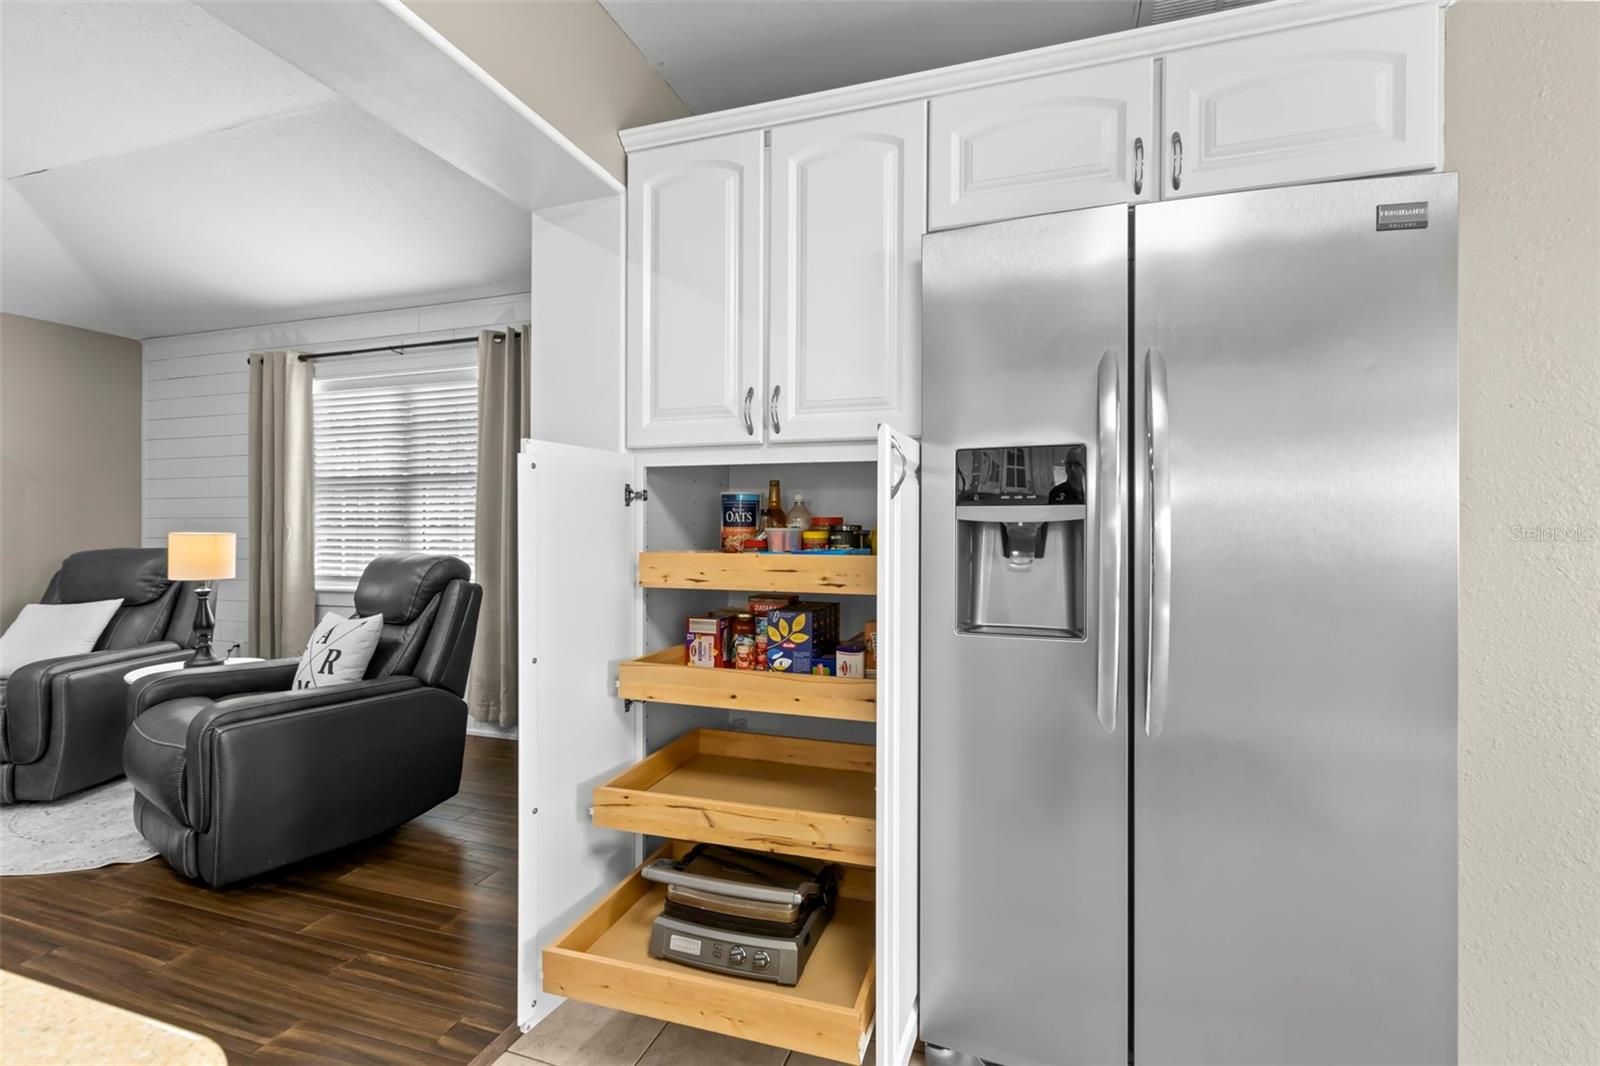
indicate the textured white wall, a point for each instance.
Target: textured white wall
{"x":1523,"y":129}
{"x":196,"y":415}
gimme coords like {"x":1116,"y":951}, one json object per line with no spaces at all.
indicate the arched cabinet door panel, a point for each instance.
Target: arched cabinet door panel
{"x":1344,"y":99}
{"x":1053,"y":143}
{"x":849,"y":209}
{"x":695,"y":226}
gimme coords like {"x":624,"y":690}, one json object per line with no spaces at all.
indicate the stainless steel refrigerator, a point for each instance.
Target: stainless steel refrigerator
{"x":1189,"y":631}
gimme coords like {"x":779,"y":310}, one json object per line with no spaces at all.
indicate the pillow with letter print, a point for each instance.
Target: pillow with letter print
{"x":339,"y":651}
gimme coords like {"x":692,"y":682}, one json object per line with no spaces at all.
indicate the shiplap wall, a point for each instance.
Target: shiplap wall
{"x":196,"y":409}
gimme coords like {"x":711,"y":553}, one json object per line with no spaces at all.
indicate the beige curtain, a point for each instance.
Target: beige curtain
{"x":503,"y":376}
{"x":282,"y":540}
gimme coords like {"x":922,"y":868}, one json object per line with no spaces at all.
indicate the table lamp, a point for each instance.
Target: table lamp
{"x":202,"y":557}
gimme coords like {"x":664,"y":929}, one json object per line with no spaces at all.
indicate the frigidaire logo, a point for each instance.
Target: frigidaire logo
{"x":1403,"y":216}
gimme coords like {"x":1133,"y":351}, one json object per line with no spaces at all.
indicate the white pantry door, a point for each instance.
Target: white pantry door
{"x":849,"y":207}
{"x":576,"y":551}
{"x":899,"y":564}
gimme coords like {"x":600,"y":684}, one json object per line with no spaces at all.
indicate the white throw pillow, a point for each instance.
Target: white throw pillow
{"x":52,"y":630}
{"x":339,"y":651}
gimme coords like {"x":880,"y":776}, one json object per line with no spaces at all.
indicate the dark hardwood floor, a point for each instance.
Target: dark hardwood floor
{"x":400,"y":949}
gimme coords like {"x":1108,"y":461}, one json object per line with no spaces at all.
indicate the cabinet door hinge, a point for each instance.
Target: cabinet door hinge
{"x":629,"y":494}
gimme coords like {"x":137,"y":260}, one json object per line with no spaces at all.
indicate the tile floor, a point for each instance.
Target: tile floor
{"x":580,"y":1034}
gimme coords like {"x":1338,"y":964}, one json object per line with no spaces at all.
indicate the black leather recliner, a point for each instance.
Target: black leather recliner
{"x":62,"y":720}
{"x":235,"y":774}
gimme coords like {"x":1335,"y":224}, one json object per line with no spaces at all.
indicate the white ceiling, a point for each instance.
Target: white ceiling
{"x":164,"y":175}
{"x":718,"y":54}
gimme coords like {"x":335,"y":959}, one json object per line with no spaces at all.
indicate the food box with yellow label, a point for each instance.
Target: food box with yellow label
{"x":800,"y":635}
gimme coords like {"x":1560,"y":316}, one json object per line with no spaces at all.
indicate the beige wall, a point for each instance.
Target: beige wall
{"x":565,"y":59}
{"x":69,"y":450}
{"x":1523,"y":130}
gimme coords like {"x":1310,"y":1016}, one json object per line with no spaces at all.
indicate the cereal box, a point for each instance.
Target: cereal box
{"x":704,"y":641}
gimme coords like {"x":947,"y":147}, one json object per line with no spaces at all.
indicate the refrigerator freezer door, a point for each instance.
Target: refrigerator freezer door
{"x":1024,"y":892}
{"x":1295,"y":789}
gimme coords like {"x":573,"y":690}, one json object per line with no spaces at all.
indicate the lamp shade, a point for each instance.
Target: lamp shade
{"x":200,"y":556}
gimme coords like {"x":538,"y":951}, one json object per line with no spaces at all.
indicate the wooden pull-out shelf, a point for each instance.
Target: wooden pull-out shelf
{"x":605,"y":959}
{"x":815,"y":798}
{"x":665,"y":677}
{"x":835,"y":575}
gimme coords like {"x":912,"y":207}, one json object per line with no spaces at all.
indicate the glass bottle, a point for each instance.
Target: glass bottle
{"x":775,"y":518}
{"x":799,"y":517}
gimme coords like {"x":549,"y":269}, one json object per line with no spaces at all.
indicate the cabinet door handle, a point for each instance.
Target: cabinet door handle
{"x":749,"y":423}
{"x":1138,"y":165}
{"x":772,"y":410}
{"x":1177,"y":160}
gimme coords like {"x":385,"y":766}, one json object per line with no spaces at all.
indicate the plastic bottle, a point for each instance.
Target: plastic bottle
{"x":799,"y":516}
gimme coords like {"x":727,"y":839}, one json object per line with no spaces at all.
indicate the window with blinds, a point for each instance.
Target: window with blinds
{"x":395,"y":459}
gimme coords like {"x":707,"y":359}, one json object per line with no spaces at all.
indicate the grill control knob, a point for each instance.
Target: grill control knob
{"x":736,"y":955}
{"x":762,"y":960}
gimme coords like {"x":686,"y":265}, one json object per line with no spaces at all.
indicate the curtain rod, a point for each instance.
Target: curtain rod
{"x":399,"y":348}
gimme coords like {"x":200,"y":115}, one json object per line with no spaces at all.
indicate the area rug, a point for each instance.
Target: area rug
{"x":91,"y":829}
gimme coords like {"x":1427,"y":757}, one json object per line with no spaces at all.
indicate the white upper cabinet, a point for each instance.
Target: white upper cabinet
{"x":695,"y":224}
{"x":774,"y":253}
{"x":1336,"y":100}
{"x":847,"y":217}
{"x":1052,"y":143}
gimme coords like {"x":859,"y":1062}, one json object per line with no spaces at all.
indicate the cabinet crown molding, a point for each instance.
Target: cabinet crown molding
{"x":1142,"y":41}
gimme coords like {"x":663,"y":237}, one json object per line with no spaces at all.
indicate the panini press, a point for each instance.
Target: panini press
{"x":742,"y":913}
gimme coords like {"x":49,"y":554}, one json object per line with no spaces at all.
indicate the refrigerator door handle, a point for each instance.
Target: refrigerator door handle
{"x":1110,"y":498}
{"x":1158,"y":645}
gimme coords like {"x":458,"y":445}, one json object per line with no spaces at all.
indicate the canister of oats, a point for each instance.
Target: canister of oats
{"x":741,"y":514}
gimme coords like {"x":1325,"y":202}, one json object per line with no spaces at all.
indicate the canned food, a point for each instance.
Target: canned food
{"x":813,"y":539}
{"x":841,"y":537}
{"x":829,"y":521}
{"x":741,"y":516}
{"x":744,"y":641}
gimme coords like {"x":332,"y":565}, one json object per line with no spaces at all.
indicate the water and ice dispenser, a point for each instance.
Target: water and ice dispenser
{"x":1020,"y":519}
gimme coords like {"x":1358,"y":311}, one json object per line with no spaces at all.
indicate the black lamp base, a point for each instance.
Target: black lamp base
{"x":205,"y":622}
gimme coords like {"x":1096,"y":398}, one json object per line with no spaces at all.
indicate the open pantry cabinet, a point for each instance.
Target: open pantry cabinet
{"x":627,"y":752}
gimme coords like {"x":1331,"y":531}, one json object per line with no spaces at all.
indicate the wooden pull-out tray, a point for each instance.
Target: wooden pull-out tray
{"x":815,"y":798}
{"x":820,"y":573}
{"x":666,"y":677}
{"x":605,"y":959}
